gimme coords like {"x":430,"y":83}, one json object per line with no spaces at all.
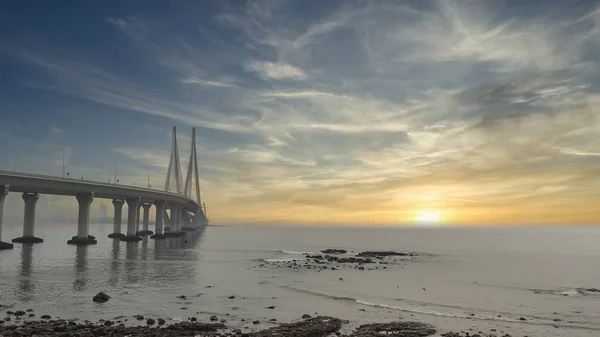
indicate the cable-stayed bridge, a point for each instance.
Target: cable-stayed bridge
{"x":176,"y":210}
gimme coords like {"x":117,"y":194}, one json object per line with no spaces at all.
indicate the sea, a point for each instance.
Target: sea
{"x":524,"y":281}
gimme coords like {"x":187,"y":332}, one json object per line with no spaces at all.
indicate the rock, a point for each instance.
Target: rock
{"x":214,"y":318}
{"x":341,"y":279}
{"x":522,"y":319}
{"x":29,"y":310}
{"x":10,"y":312}
{"x":193,"y":319}
{"x":195,"y":327}
{"x":380,"y":254}
{"x":31,"y":315}
{"x":182,"y":297}
{"x":139,"y":317}
{"x":315,"y":327}
{"x":231,"y":297}
{"x":161,"y":321}
{"x":557,"y":320}
{"x":401,"y":329}
{"x":305,"y":316}
{"x":108,"y":323}
{"x":183,"y":308}
{"x":271,"y":307}
{"x":7,"y":319}
{"x":272,"y":320}
{"x":101,"y":297}
{"x":19,"y":313}
{"x":334,"y":251}
{"x":256,"y":322}
{"x":150,"y":321}
{"x":45,"y":317}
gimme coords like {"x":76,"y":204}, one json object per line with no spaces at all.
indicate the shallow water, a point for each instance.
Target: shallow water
{"x":476,"y":279}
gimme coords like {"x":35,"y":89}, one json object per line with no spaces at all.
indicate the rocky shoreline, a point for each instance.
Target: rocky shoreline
{"x":339,"y":259}
{"x":320,"y":326}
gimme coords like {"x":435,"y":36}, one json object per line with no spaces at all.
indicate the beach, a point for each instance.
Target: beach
{"x":494,"y":281}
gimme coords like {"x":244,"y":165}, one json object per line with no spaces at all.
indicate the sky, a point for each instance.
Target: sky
{"x":314,"y":112}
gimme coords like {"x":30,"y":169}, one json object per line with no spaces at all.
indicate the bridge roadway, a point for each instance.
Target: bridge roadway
{"x":185,"y":213}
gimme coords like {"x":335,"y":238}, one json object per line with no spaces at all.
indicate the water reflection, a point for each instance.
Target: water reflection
{"x":143,"y":264}
{"x":81,"y":266}
{"x":165,"y":263}
{"x":115,"y":264}
{"x":25,"y":285}
{"x":144,"y":251}
{"x":131,"y":263}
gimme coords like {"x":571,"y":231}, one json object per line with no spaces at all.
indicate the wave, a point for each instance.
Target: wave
{"x":291,"y":252}
{"x":569,"y":292}
{"x":279,"y":260}
{"x":435,"y":310}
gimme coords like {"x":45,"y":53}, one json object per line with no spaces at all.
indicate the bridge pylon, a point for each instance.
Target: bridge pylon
{"x":174,"y":166}
{"x":192,"y":174}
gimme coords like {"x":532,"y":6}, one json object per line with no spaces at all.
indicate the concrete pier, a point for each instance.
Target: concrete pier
{"x":158,"y":223}
{"x":116,"y":234}
{"x":137,"y":216}
{"x":174,"y":226}
{"x":83,"y":222}
{"x":3,"y":194}
{"x":30,"y":200}
{"x":145,"y":221}
{"x":187,"y":225}
{"x":132,"y":211}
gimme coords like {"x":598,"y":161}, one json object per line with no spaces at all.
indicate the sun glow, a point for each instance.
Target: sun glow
{"x":428,"y":217}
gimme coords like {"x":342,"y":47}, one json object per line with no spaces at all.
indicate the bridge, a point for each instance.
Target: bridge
{"x":176,"y":211}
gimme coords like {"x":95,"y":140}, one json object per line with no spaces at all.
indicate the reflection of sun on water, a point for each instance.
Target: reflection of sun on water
{"x":428,"y":218}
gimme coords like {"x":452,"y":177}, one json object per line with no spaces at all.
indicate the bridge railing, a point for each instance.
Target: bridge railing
{"x":91,"y":182}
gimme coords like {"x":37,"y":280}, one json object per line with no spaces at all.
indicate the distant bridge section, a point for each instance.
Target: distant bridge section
{"x":177,"y":209}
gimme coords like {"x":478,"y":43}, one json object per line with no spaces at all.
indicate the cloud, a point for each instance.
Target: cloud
{"x":276,"y":71}
{"x":208,"y":83}
{"x":362,"y":110}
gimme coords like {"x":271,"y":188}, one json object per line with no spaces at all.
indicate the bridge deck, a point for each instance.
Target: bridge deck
{"x":37,"y":183}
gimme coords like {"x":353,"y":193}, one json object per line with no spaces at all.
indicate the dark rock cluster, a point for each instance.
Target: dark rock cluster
{"x":320,"y":326}
{"x":380,"y":254}
{"x":334,"y":259}
{"x":101,"y":297}
{"x":62,"y":328}
{"x":334,"y":251}
{"x":313,"y":327}
{"x":405,"y":329}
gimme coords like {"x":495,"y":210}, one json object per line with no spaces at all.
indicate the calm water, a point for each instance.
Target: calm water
{"x":532,"y":273}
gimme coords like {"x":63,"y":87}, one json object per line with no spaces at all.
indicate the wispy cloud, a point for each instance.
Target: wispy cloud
{"x":208,"y":83}
{"x":276,"y":71}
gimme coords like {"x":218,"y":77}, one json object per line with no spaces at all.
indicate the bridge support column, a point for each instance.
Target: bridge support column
{"x":83,"y":222}
{"x":116,"y":234}
{"x":146,"y":220}
{"x":158,"y":223}
{"x":186,"y":220}
{"x":175,"y":224}
{"x":132,"y":205}
{"x":3,"y":194}
{"x":137,"y":217}
{"x":29,"y":219}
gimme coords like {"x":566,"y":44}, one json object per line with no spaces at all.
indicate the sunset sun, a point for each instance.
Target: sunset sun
{"x":428,"y":217}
